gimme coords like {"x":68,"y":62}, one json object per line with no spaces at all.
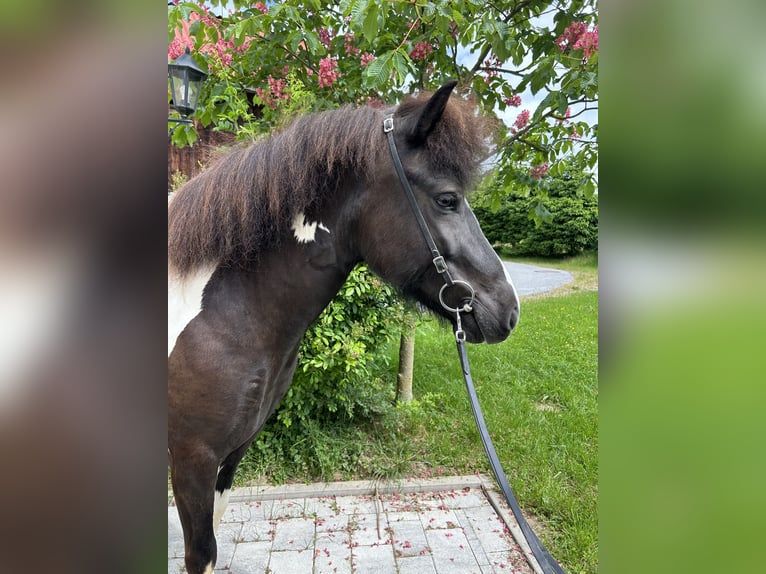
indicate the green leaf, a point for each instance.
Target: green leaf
{"x":542,"y":213}
{"x":401,"y":67}
{"x":378,"y":71}
{"x":370,"y":27}
{"x":313,"y":44}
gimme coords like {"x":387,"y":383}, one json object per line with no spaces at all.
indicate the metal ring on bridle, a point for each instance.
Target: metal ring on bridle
{"x":466,"y":308}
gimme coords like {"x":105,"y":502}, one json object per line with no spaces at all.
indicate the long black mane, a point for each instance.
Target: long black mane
{"x":241,"y":203}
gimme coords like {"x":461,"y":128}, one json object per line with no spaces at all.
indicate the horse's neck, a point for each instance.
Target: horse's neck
{"x":282,"y":294}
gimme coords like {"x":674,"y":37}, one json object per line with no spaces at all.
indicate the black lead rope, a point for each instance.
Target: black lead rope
{"x":541,"y":554}
{"x":544,"y":558}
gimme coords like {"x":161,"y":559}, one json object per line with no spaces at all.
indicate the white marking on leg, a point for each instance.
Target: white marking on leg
{"x":185,"y":300}
{"x":323,"y":228}
{"x":208,"y":569}
{"x":219,"y":507}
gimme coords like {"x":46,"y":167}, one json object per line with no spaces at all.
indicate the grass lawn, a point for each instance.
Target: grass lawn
{"x":539,"y":394}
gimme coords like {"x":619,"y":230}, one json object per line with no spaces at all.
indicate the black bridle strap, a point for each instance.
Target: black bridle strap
{"x":439,"y":263}
{"x":543,"y":557}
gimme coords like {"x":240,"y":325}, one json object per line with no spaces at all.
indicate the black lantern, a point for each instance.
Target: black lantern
{"x":185,"y":81}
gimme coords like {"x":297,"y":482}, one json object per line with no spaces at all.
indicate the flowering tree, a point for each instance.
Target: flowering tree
{"x":531,"y":62}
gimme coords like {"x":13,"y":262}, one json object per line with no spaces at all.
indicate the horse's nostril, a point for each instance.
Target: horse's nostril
{"x":514,"y":317}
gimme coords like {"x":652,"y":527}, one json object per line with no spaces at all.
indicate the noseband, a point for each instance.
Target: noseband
{"x":547,"y":563}
{"x":438,"y":260}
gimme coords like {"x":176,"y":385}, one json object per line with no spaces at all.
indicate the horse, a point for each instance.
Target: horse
{"x":262,"y":239}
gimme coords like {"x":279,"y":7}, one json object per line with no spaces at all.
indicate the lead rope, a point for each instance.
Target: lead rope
{"x":547,"y":563}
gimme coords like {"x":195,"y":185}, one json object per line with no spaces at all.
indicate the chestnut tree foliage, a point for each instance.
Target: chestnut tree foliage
{"x":531,"y":62}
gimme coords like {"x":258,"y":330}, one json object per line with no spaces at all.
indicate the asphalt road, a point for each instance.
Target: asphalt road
{"x":531,"y":279}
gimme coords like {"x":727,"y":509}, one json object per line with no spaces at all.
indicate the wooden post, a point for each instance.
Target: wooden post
{"x":406,"y":355}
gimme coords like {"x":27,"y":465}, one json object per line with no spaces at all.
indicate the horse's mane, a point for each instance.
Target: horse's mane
{"x":244,"y":200}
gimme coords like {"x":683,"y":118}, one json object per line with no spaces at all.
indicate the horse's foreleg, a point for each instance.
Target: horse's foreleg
{"x":193,"y":483}
{"x":224,"y":481}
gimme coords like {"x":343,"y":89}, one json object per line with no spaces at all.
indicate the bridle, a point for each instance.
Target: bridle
{"x":546,"y":562}
{"x":438,"y":259}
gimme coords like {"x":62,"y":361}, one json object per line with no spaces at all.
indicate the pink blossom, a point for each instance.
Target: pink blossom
{"x":327,"y":72}
{"x":366,"y":59}
{"x":222,"y":50}
{"x":514,"y":100}
{"x":375,"y":102}
{"x":538,"y":171}
{"x":351,"y":50}
{"x":261,"y":6}
{"x":274,"y":93}
{"x":522,"y":119}
{"x":325,"y":36}
{"x":421,"y":50}
{"x":578,"y":37}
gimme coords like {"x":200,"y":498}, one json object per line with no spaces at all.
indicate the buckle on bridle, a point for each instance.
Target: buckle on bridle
{"x":440,"y":264}
{"x":388,"y":124}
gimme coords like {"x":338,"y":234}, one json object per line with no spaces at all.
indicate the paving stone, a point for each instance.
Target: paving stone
{"x":473,"y":540}
{"x":294,"y":534}
{"x":260,"y":509}
{"x":257,"y":531}
{"x":251,"y":558}
{"x":400,"y":516}
{"x":176,"y":565}
{"x":490,"y":530}
{"x":340,"y":537}
{"x":451,"y":552}
{"x":364,"y":530}
{"x":409,"y":539}
{"x":356,"y":504}
{"x":291,"y":562}
{"x":463,"y":499}
{"x":332,"y":558}
{"x":226,"y":540}
{"x":440,"y":518}
{"x":288,"y":508}
{"x":416,"y":565}
{"x":237,"y":512}
{"x":323,"y":507}
{"x":373,"y":559}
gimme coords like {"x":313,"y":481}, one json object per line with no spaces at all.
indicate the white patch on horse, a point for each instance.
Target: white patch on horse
{"x":208,"y":569}
{"x":505,"y":269}
{"x":185,"y":300}
{"x":219,"y":507}
{"x":306,"y":232}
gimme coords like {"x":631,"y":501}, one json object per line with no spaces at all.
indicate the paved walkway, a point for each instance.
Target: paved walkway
{"x":531,"y":279}
{"x":450,"y":525}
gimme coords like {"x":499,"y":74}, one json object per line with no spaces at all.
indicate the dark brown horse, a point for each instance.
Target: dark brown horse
{"x":261,"y":241}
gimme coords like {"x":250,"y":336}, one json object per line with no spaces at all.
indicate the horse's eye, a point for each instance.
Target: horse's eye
{"x":447,"y":200}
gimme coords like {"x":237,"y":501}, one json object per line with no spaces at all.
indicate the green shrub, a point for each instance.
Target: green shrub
{"x":562,"y":224}
{"x":337,"y":379}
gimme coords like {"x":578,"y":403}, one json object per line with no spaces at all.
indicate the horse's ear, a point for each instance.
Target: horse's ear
{"x":431,"y":113}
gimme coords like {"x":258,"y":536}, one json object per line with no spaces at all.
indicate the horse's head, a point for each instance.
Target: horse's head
{"x":441,"y":144}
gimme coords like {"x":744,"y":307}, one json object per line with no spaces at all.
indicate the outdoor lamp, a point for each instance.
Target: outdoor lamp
{"x":185,"y":81}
